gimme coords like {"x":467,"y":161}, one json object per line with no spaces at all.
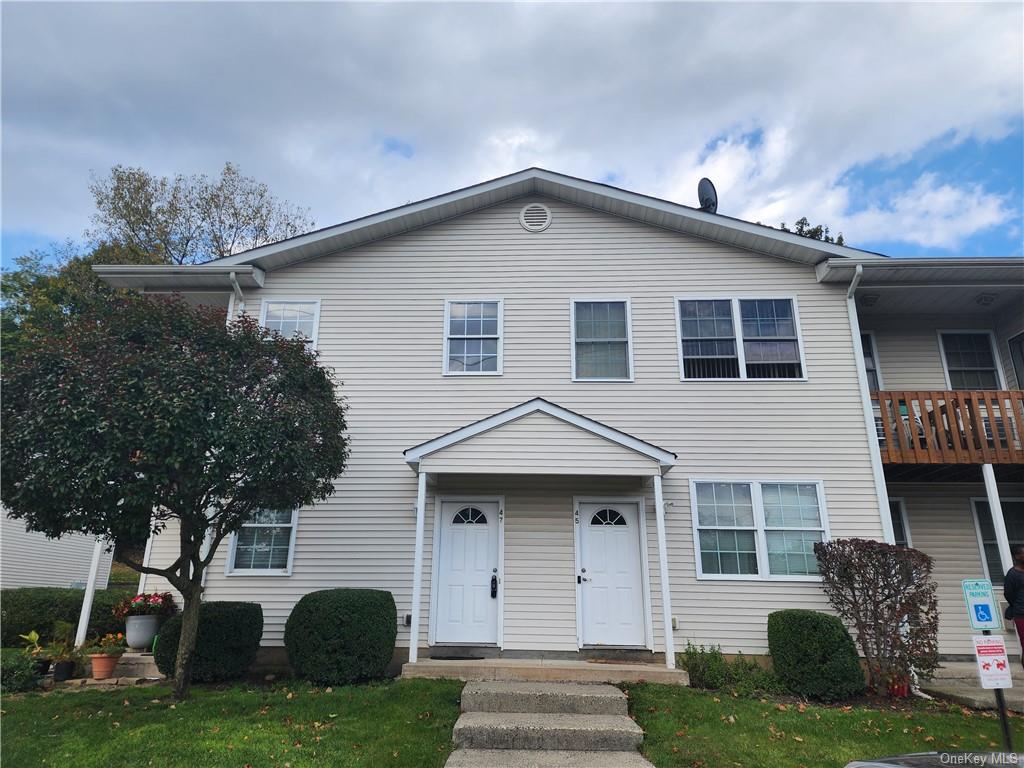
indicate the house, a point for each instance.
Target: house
{"x":29,"y":559}
{"x":586,"y":419}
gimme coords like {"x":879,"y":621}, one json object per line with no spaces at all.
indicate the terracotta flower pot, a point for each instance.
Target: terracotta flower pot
{"x":103,"y":666}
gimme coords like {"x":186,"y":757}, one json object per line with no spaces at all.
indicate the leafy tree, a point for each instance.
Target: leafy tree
{"x":889,"y":597}
{"x":142,"y":413}
{"x":191,"y":219}
{"x":817,"y":232}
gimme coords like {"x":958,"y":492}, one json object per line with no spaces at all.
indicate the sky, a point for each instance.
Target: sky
{"x":899,"y":125}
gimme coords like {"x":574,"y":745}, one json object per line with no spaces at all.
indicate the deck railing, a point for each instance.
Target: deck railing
{"x":958,"y":427}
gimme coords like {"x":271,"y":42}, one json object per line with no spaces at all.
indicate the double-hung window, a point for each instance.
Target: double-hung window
{"x":867,"y":343}
{"x":970,"y":360}
{"x":472,"y":337}
{"x":1013,"y":519}
{"x":739,"y":339}
{"x":292,"y":318}
{"x":601,"y":340}
{"x":758,"y":529}
{"x":265,"y":545}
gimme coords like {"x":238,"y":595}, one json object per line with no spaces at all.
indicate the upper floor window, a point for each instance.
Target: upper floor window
{"x":472,"y":337}
{"x":601,"y":341}
{"x":969,"y":359}
{"x":867,"y":342}
{"x":292,"y":318}
{"x":739,"y":339}
{"x":758,"y":529}
{"x":265,"y":544}
{"x":1013,"y":519}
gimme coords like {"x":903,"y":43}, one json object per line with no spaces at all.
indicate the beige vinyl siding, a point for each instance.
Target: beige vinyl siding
{"x":909,"y":356}
{"x":941,"y":523}
{"x":540,"y":444}
{"x":381,"y":329}
{"x":29,"y":559}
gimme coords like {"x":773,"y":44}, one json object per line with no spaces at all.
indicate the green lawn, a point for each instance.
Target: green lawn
{"x":403,"y":723}
{"x":685,"y":727}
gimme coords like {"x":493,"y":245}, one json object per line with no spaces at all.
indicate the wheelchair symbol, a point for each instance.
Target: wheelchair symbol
{"x":983,"y":613}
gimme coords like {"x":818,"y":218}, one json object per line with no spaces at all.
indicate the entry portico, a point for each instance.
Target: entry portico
{"x":539,"y":444}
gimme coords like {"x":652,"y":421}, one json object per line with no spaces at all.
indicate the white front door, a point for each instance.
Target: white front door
{"x":610,"y":589}
{"x":467,"y":574}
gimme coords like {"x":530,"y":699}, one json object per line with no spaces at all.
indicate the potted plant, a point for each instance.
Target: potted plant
{"x":104,"y":654}
{"x":36,"y":652}
{"x":142,"y":615}
{"x":63,"y":652}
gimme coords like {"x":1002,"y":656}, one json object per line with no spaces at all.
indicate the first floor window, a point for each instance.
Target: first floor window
{"x":601,"y":341}
{"x":970,"y":361}
{"x":265,"y":542}
{"x":758,"y":529}
{"x":292,"y":318}
{"x":1013,"y":517}
{"x":899,"y":524}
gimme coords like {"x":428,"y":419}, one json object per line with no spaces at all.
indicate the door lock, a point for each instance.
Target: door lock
{"x":494,"y":586}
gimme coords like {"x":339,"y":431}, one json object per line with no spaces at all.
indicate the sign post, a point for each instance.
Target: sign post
{"x":989,"y":651}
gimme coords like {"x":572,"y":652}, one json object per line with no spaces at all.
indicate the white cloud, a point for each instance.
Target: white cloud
{"x":300,"y":94}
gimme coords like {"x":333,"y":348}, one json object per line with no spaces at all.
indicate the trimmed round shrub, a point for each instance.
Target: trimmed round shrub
{"x":814,"y":655}
{"x":17,"y":672}
{"x":38,"y":608}
{"x":337,"y":636}
{"x":226,"y":646}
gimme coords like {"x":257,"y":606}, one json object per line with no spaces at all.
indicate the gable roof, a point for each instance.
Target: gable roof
{"x":665,"y":459}
{"x":538,"y":181}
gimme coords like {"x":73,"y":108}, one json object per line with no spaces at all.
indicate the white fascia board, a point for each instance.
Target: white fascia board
{"x":168,"y":277}
{"x":666,"y":459}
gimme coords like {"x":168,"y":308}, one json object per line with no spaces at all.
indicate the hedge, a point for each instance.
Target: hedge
{"x":229,"y":637}
{"x":17,"y":672}
{"x":28,"y":608}
{"x":337,"y":636}
{"x":814,"y":655}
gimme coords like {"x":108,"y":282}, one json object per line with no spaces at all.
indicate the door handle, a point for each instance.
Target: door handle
{"x":494,"y":586}
{"x":581,"y":579}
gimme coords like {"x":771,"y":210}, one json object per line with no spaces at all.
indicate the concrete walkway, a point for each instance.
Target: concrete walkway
{"x":545,"y":725}
{"x":958,"y":681}
{"x":544,"y":670}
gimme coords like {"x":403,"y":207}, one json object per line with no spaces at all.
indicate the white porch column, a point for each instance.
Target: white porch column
{"x":666,"y":592}
{"x":90,"y":591}
{"x":998,"y":523}
{"x":417,"y":566}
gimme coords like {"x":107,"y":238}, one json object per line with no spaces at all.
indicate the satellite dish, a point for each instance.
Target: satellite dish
{"x":707,"y":195}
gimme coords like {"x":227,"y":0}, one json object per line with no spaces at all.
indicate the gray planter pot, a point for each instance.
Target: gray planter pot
{"x":139,"y":631}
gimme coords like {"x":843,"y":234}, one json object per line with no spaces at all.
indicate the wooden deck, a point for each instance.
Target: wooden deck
{"x":952,"y":427}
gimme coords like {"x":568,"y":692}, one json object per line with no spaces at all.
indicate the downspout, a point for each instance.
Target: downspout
{"x":881,"y":491}
{"x":239,"y":308}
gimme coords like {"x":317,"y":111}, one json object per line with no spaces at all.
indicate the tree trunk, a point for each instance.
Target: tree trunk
{"x":187,"y":642}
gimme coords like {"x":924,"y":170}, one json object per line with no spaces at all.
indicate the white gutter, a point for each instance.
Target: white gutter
{"x":239,"y":297}
{"x":881,"y":491}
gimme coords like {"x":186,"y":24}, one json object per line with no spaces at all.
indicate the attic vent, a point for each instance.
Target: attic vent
{"x":535,"y":217}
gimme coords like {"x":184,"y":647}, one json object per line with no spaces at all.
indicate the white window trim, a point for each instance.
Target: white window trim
{"x":971,"y":331}
{"x":573,"y":301}
{"x":902,"y":502}
{"x":266,"y":301}
{"x":501,"y":336}
{"x":738,"y":334}
{"x":874,"y":354}
{"x":977,"y":527}
{"x":760,"y":537}
{"x":230,"y":570}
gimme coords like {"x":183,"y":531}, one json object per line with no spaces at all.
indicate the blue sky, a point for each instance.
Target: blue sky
{"x":900,"y":125}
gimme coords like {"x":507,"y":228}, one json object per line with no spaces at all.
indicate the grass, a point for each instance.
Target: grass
{"x":402,"y":723}
{"x":685,"y":727}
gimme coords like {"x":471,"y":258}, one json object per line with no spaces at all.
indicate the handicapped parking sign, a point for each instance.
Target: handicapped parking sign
{"x":981,"y":604}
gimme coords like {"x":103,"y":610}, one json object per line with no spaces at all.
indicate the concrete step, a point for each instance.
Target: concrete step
{"x":544,"y":670}
{"x":531,"y":758}
{"x":539,"y":698}
{"x":134,"y":664}
{"x":511,"y":730}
